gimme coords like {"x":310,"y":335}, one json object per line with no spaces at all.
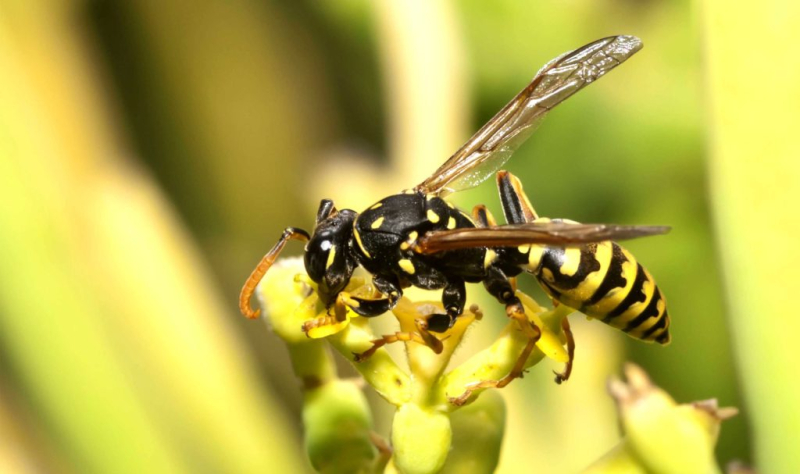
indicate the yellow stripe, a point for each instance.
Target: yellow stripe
{"x":572,"y":260}
{"x":331,"y":257}
{"x":636,"y":309}
{"x":535,"y":258}
{"x":614,"y":297}
{"x":432,"y":216}
{"x":585,"y":290}
{"x":406,"y":266}
{"x":642,"y":328}
{"x":377,"y":223}
{"x":489,"y":258}
{"x":520,"y":193}
{"x":360,"y":244}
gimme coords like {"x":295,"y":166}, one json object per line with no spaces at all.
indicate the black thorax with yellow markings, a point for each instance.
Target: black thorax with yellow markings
{"x":386,"y":235}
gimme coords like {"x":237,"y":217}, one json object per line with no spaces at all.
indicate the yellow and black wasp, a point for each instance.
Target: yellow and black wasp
{"x":416,"y":238}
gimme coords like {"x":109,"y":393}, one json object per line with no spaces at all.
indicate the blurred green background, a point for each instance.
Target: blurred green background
{"x":152,"y":151}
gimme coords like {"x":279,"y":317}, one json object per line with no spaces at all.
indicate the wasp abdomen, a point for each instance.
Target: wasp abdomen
{"x":604,"y":281}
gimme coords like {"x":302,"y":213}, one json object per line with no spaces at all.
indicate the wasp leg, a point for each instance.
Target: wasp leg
{"x":266,"y":262}
{"x":500,"y":287}
{"x":422,"y":336}
{"x":387,"y":285}
{"x":482,"y":216}
{"x":516,"y":206}
{"x":339,"y":308}
{"x":454,"y":297}
{"x":564,"y":376}
{"x":365,"y":307}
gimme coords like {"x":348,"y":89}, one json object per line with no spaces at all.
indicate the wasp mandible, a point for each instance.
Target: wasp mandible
{"x":416,"y":238}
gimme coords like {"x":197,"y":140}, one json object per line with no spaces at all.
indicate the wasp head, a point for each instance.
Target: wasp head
{"x":329,"y":257}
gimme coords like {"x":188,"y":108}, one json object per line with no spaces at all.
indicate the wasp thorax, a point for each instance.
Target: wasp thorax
{"x":329,"y":259}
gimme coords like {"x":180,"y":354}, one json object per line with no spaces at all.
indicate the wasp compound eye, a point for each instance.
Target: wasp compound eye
{"x":318,"y":251}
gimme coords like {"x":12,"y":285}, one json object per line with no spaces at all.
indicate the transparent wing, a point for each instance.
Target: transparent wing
{"x":559,"y":79}
{"x":546,"y":233}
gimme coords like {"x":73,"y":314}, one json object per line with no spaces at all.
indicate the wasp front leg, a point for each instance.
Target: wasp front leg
{"x":369,"y":308}
{"x":366,"y":307}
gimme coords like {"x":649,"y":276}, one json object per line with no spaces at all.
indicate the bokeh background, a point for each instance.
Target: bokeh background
{"x":152,"y":151}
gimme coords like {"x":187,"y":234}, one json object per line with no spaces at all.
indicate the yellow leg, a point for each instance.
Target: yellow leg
{"x":339,"y":309}
{"x":422,"y":336}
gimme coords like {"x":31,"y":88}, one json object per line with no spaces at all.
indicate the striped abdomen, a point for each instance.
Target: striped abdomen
{"x":604,"y":281}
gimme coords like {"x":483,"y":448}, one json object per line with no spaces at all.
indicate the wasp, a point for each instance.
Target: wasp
{"x":417,"y":238}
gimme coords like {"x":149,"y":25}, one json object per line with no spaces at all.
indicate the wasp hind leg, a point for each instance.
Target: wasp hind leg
{"x":482,"y":216}
{"x":564,"y":376}
{"x":516,"y":206}
{"x":519,"y":210}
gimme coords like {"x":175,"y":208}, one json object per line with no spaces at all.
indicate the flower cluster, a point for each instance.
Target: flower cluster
{"x":446,"y":417}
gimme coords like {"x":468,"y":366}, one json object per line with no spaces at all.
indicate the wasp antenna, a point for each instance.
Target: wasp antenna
{"x":263,"y":266}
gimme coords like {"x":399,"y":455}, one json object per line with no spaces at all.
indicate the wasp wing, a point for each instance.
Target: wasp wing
{"x":494,"y":143}
{"x":543,"y":233}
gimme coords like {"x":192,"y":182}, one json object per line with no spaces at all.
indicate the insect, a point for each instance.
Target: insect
{"x":416,"y":238}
